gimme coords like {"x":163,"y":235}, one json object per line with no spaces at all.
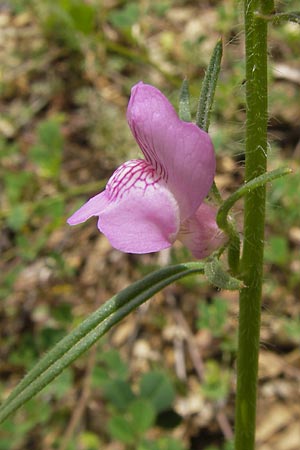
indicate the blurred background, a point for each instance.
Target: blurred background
{"x":164,"y":379}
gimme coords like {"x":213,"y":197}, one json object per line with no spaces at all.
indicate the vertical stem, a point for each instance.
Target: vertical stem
{"x":254,"y":223}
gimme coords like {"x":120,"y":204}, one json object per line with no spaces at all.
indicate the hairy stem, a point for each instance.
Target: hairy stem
{"x":254,"y":223}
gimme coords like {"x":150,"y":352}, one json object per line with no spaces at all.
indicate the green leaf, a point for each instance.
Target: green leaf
{"x":48,"y":337}
{"x":277,"y":251}
{"x":28,"y":249}
{"x":58,"y":23}
{"x":99,"y":377}
{"x":215,"y":385}
{"x":217,"y":276}
{"x":206,"y":100}
{"x":157,"y":387}
{"x":109,"y":366}
{"x":52,"y":208}
{"x":37,"y":414}
{"x":95,"y":326}
{"x":15,"y":184}
{"x":213,"y":316}
{"x":146,"y":445}
{"x":119,"y":393}
{"x":121,"y":429}
{"x":229,"y":445}
{"x":8,"y":280}
{"x":125,"y":17}
{"x":25,"y":353}
{"x":184,"y":102}
{"x":88,"y":440}
{"x":62,"y":312}
{"x":115,"y":367}
{"x":61,"y":385}
{"x":209,"y":87}
{"x":291,"y":327}
{"x":168,"y":443}
{"x":47,"y":153}
{"x":138,"y":417}
{"x":164,"y":443}
{"x":143,"y":414}
{"x":83,"y":15}
{"x":17,"y":217}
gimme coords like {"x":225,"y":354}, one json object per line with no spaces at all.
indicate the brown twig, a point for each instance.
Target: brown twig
{"x":82,"y":402}
{"x":196,"y":358}
{"x":191,"y":344}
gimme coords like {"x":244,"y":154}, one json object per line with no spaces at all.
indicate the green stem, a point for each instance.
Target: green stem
{"x":254,"y":223}
{"x":222,"y":216}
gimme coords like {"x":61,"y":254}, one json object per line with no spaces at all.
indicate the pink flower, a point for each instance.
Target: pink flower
{"x":149,"y":203}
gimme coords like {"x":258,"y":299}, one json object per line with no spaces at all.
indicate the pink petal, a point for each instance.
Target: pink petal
{"x":200,"y":233}
{"x":92,"y":207}
{"x":179,"y":151}
{"x":137,"y":212}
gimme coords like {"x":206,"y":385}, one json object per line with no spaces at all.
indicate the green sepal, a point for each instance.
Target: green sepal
{"x":217,"y":276}
{"x":184,"y":102}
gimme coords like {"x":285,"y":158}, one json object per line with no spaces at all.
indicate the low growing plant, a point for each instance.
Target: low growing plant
{"x":149,"y":203}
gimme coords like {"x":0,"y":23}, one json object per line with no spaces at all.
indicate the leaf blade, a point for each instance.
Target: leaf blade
{"x":95,"y":326}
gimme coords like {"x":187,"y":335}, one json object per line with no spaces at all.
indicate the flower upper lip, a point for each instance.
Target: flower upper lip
{"x":180,"y":149}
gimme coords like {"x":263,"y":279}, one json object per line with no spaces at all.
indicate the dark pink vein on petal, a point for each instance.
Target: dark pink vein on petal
{"x":134,"y":174}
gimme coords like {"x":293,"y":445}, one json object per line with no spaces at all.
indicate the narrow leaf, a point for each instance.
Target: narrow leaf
{"x":206,"y":99}
{"x":208,"y":88}
{"x":95,"y":326}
